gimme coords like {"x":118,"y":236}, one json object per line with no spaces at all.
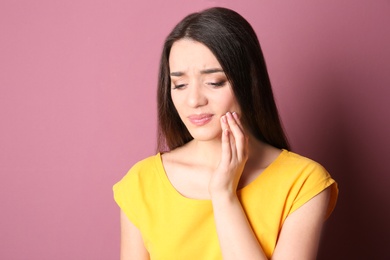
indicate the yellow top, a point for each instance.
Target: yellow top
{"x":176,"y":227}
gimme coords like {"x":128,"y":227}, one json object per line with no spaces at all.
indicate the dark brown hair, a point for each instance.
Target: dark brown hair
{"x":234,"y":43}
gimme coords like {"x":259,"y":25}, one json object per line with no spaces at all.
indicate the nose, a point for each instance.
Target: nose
{"x":196,"y":96}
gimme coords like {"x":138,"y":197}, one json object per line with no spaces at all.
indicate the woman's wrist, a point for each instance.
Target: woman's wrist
{"x":223,"y":196}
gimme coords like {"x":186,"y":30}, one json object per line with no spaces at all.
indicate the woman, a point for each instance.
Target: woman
{"x":223,"y":184}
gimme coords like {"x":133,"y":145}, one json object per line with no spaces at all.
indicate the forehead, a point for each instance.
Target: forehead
{"x":188,"y":54}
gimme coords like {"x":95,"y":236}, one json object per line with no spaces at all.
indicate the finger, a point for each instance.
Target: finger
{"x":238,"y":121}
{"x":234,"y":123}
{"x":226,"y":147}
{"x":238,"y":134}
{"x":224,"y":123}
{"x":233,"y":147}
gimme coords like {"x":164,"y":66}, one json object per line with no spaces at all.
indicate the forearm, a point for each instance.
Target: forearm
{"x":236,"y":237}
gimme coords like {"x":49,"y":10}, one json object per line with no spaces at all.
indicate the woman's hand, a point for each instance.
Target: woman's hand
{"x":235,"y":235}
{"x":300,"y":234}
{"x":233,"y":158}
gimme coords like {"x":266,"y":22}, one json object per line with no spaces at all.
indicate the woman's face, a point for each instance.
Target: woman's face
{"x":200,"y":90}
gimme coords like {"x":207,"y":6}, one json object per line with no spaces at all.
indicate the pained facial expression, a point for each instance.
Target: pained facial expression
{"x":200,"y":90}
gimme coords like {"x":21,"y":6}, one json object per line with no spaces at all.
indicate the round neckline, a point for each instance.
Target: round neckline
{"x":164,"y":177}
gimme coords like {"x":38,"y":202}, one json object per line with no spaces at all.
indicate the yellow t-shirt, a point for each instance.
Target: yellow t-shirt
{"x":176,"y":227}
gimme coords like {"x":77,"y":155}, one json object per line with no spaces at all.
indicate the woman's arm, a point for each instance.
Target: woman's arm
{"x":299,"y":237}
{"x":300,"y":233}
{"x":132,"y":246}
{"x":236,"y":237}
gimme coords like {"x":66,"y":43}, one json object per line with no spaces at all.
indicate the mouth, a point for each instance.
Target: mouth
{"x":200,"y":119}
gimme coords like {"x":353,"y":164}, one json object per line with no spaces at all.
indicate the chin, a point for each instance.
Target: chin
{"x":206,"y":135}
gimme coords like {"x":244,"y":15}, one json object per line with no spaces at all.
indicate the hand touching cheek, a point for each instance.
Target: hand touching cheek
{"x":233,"y":158}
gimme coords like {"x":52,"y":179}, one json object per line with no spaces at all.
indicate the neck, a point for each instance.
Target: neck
{"x":208,"y":153}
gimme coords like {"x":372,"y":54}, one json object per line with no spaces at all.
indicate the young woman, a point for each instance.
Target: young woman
{"x":223,"y":184}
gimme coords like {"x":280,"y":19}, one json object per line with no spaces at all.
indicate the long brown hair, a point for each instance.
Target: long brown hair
{"x":234,"y":43}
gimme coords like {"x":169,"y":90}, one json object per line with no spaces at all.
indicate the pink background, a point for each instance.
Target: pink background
{"x":77,"y":109}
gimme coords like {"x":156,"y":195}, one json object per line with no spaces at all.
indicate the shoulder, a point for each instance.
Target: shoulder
{"x":129,"y":191}
{"x":147,"y":164}
{"x":292,"y":164}
{"x":139,"y":173}
{"x":297,"y":172}
{"x":304,"y":178}
{"x":297,"y":159}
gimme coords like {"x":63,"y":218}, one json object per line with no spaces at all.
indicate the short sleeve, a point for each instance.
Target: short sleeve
{"x":126,"y":194}
{"x":313,"y":180}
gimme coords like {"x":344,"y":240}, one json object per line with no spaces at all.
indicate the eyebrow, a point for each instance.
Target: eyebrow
{"x":206,"y":71}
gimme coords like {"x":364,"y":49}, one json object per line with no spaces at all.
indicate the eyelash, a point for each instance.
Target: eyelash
{"x":214,"y":84}
{"x":217,"y":84}
{"x":178,"y":86}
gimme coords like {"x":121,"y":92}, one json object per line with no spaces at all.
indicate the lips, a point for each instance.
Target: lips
{"x":201,"y":119}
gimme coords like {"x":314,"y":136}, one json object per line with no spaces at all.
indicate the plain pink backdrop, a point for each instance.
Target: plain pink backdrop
{"x":77,"y":109}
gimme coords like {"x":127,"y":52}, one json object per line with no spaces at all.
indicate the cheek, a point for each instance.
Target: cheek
{"x":176,"y":104}
{"x":174,"y":100}
{"x":229,"y":102}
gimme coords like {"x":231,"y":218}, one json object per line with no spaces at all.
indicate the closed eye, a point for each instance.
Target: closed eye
{"x":180,"y":86}
{"x":217,"y":84}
